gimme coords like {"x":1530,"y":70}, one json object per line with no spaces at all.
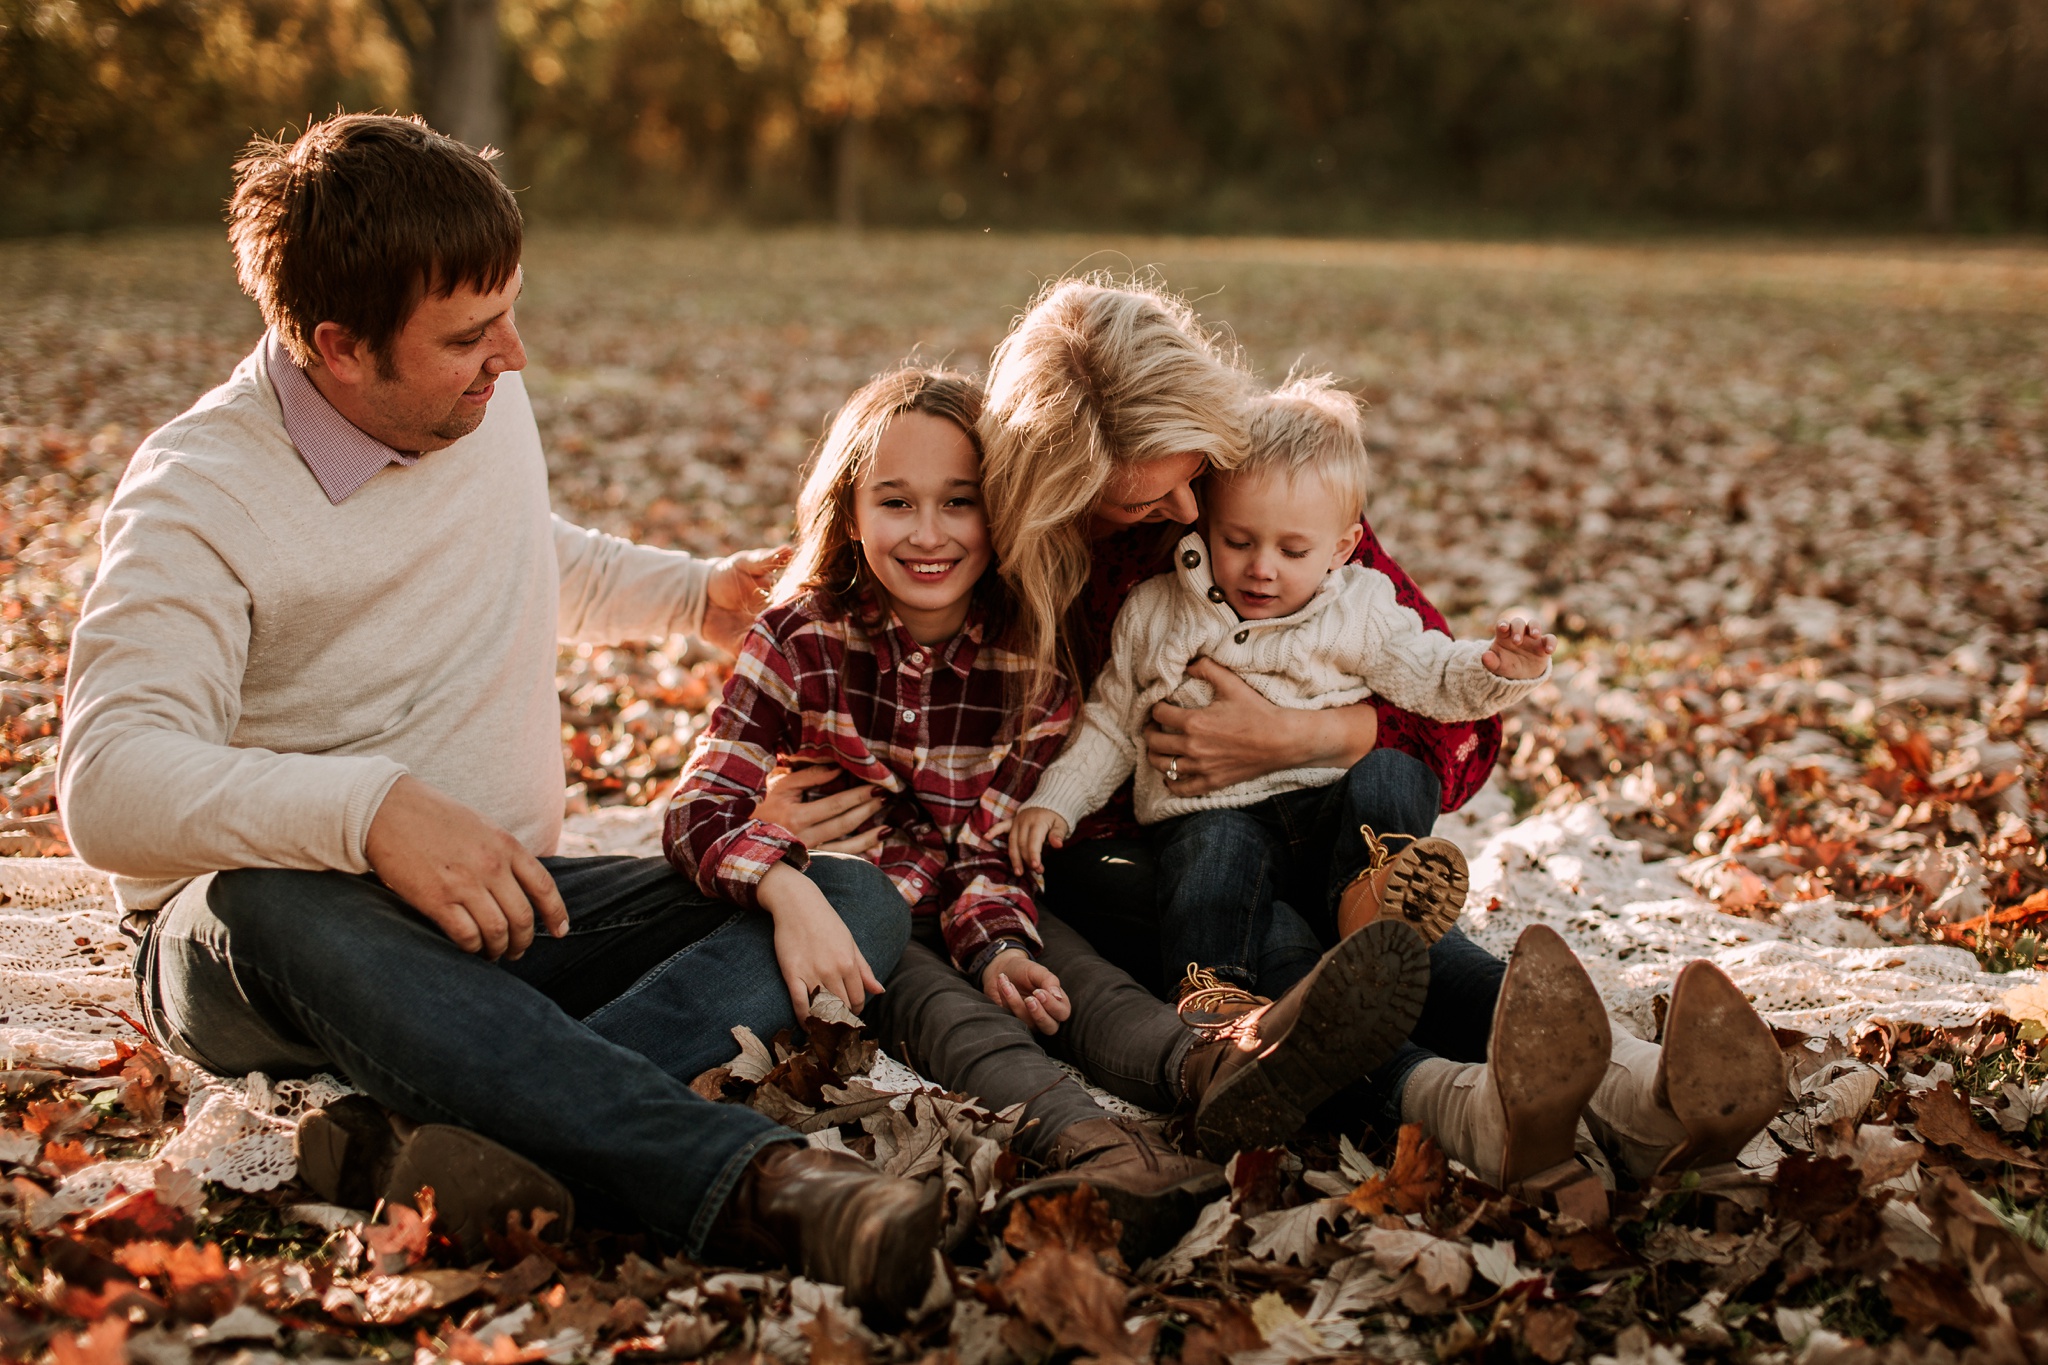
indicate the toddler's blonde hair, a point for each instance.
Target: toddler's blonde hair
{"x":1310,"y":426}
{"x":1096,"y":377}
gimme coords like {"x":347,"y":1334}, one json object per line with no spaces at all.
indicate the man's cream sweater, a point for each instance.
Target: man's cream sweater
{"x":255,"y":666}
{"x":1352,"y":641}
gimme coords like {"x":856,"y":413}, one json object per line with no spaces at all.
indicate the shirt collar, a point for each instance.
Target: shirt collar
{"x":894,"y":645}
{"x":341,"y":455}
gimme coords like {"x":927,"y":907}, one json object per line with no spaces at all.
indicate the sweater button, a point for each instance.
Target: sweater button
{"x":1215,"y":594}
{"x":1191,"y":558}
{"x":1243,"y":635}
{"x":909,"y":716}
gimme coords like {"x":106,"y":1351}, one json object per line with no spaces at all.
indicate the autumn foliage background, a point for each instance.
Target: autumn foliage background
{"x":1209,"y":115}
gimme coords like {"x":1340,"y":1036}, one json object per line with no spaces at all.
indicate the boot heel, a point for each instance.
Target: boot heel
{"x":1721,"y":1072}
{"x":1568,"y":1188}
{"x":1549,"y":1052}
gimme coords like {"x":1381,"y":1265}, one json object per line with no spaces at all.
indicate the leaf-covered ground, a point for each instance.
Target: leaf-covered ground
{"x":1788,"y":507}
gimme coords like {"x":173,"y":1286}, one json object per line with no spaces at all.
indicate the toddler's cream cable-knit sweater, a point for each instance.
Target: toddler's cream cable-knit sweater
{"x":1351,"y":641}
{"x":256,"y":666}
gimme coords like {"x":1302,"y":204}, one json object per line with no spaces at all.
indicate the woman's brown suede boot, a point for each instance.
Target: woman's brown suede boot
{"x":833,"y":1218}
{"x":1514,"y":1118}
{"x":1699,"y":1099}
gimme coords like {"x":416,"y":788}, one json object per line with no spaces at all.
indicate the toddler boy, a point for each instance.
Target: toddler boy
{"x":1265,"y":590}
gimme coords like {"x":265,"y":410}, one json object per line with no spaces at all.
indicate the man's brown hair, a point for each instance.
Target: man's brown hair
{"x":359,"y":219}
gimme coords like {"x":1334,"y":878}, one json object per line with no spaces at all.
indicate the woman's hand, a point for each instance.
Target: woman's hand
{"x":813,"y":946}
{"x":1240,"y":735}
{"x":737,"y":590}
{"x":1023,"y":986}
{"x":830,"y":824}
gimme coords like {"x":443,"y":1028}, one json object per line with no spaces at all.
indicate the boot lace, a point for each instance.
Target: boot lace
{"x":1379,"y":849}
{"x":1202,"y":992}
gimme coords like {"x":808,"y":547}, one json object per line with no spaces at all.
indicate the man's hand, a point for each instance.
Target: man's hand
{"x":738,"y":589}
{"x":1519,"y":652}
{"x":1240,"y":735}
{"x":1024,"y":987}
{"x":829,"y":824}
{"x":813,"y":946}
{"x":1033,"y":829}
{"x":469,"y":877}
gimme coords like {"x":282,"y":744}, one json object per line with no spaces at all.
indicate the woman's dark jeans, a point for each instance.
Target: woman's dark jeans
{"x":1289,"y":859}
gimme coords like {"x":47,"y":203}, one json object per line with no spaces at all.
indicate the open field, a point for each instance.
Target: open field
{"x":1787,"y":504}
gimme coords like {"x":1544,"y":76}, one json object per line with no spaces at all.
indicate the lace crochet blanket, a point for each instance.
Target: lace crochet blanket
{"x":68,"y":978}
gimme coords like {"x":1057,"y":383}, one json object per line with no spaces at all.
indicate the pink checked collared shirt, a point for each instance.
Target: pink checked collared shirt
{"x":342,"y":456}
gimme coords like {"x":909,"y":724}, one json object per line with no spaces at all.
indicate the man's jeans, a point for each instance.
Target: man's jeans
{"x":1105,"y":883}
{"x":291,"y":972}
{"x":1121,"y":1036}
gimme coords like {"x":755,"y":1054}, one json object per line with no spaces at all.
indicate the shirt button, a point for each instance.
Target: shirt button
{"x":917,"y":656}
{"x":1191,"y":558}
{"x":1215,"y":594}
{"x":910,"y":715}
{"x":1243,"y":635}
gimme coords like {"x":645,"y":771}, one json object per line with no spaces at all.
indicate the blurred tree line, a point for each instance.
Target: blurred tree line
{"x":1289,"y":115}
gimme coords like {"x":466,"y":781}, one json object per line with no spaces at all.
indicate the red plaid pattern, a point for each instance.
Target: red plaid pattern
{"x":929,"y":726}
{"x":1461,"y":754}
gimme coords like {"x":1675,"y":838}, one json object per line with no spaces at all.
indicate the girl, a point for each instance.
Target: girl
{"x":886,"y":660}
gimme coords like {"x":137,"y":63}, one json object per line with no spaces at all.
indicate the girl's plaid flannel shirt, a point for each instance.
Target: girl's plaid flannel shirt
{"x":929,"y":726}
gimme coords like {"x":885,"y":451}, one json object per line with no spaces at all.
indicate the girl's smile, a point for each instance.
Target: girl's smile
{"x":923,"y":531}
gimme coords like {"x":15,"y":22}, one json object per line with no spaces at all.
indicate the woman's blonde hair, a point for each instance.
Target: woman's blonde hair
{"x":1096,"y":377}
{"x":827,"y":557}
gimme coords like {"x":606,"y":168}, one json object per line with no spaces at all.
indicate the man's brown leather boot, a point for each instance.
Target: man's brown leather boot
{"x":1422,"y":881}
{"x":835,"y":1219}
{"x":1153,"y":1190}
{"x":1255,"y":1078}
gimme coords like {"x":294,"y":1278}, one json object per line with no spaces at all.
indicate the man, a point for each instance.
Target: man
{"x":312,"y":730}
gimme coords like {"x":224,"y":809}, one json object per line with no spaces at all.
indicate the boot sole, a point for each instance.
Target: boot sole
{"x":905,"y":1235}
{"x":1152,"y":1222}
{"x":1724,"y":1076}
{"x":338,"y":1150}
{"x":1426,"y":887}
{"x":1363,"y":1000}
{"x":1549,"y":1053}
{"x":476,"y":1183}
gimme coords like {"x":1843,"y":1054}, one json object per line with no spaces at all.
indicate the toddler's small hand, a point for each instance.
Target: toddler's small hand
{"x":1034,"y":828}
{"x":1519,"y":651}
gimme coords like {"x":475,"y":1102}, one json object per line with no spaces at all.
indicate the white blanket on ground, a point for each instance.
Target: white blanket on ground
{"x":66,"y":972}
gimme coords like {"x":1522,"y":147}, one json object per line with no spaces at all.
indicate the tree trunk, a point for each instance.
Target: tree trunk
{"x":465,"y":82}
{"x":1939,"y":174}
{"x":849,"y":157}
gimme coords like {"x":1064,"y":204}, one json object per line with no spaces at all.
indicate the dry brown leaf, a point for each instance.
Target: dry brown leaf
{"x":103,"y":1343}
{"x":1064,"y":1284}
{"x":1549,"y":1330}
{"x":1942,"y":1115}
{"x":185,"y":1266}
{"x":401,"y":1239}
{"x":1411,"y":1182}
